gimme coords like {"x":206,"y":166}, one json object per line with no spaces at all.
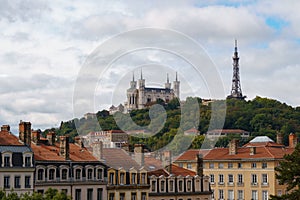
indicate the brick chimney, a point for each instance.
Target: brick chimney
{"x":279,"y":138}
{"x":98,"y":150}
{"x":233,"y":146}
{"x":5,"y":128}
{"x":35,"y":136}
{"x":139,"y":154}
{"x":64,"y":147}
{"x":25,"y":132}
{"x":51,"y":137}
{"x":78,"y":141}
{"x":200,"y":165}
{"x":292,"y":140}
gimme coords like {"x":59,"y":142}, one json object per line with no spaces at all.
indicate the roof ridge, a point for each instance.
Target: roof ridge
{"x":269,"y":152}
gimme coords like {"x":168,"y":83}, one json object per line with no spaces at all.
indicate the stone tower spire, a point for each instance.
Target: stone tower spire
{"x":236,"y":90}
{"x":176,"y":86}
{"x":168,"y":84}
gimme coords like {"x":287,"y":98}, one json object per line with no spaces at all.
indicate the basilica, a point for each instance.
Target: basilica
{"x":140,"y":97}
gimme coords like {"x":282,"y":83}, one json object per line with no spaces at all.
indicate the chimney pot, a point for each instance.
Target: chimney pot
{"x":139,"y":153}
{"x":292,"y":140}
{"x":233,"y":146}
{"x":25,"y":132}
{"x":64,"y":147}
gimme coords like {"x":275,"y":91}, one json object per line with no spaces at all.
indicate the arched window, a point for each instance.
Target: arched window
{"x":40,"y":174}
{"x":78,"y":174}
{"x":51,"y":174}
{"x":64,"y":174}
{"x":89,"y":174}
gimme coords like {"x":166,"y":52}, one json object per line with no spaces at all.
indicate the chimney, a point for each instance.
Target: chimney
{"x":292,"y":140}
{"x":279,"y":138}
{"x":233,"y":146}
{"x":252,"y":151}
{"x":35,"y":136}
{"x":78,"y":141}
{"x":51,"y":137}
{"x":139,"y":154}
{"x":98,"y":150}
{"x":5,"y":128}
{"x":64,"y":147}
{"x":25,"y":132}
{"x":167,"y":160}
{"x":200,"y":165}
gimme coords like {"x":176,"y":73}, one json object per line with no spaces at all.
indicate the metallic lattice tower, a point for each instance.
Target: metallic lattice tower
{"x":236,"y":90}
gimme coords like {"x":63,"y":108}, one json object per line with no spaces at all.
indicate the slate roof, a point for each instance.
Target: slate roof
{"x":117,"y":158}
{"x":15,"y":149}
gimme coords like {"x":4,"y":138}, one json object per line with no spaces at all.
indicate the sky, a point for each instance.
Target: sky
{"x":45,"y":45}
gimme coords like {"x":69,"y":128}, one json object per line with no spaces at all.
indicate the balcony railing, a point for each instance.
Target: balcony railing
{"x":254,"y":184}
{"x":241,"y":184}
{"x":230,"y":183}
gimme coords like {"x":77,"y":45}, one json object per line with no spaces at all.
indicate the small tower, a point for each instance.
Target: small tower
{"x":141,"y":96}
{"x":133,"y":82}
{"x":236,"y":90}
{"x":176,"y":87}
{"x":132,"y":95}
{"x":168,"y":84}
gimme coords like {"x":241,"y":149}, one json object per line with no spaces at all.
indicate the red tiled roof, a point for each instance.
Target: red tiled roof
{"x":7,"y":138}
{"x":152,"y":163}
{"x":117,"y":158}
{"x":175,"y":170}
{"x":262,"y":152}
{"x":191,"y":154}
{"x":44,"y":152}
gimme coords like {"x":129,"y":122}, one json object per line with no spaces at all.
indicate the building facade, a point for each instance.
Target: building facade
{"x":109,"y":139}
{"x":140,"y":97}
{"x":16,"y":161}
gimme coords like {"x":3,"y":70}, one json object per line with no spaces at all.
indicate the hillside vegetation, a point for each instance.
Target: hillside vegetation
{"x":260,"y":116}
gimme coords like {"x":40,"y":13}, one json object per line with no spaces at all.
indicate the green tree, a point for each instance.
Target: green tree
{"x":288,"y":173}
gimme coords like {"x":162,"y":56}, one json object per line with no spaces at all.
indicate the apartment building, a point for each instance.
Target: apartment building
{"x":16,"y":160}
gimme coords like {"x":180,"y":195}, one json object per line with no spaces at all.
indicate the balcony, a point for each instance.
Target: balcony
{"x":240,"y":184}
{"x":255,"y":184}
{"x":230,"y":184}
{"x":221,"y":183}
{"x":265,"y":184}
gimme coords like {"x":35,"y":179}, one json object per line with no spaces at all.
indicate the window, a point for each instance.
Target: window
{"x":133,"y":196}
{"x":264,"y":165}
{"x":40,"y":174}
{"x":17,"y":182}
{"x":253,"y":165}
{"x":99,"y":194}
{"x":240,"y":178}
{"x":211,"y":165}
{"x":133,"y":178}
{"x":78,"y":194}
{"x":230,"y":195}
{"x":78,"y":174}
{"x":6,"y":182}
{"x":111,"y":196}
{"x":254,"y":195}
{"x":221,"y":194}
{"x":122,"y":196}
{"x":240,"y":194}
{"x":230,"y":165}
{"x":253,"y":179}
{"x":143,"y":178}
{"x":27,"y":182}
{"x":240,"y":165}
{"x":144,"y":196}
{"x":90,"y":174}
{"x":64,"y":174}
{"x":111,"y":178}
{"x":89,"y":194}
{"x":221,"y":165}
{"x":180,"y":165}
{"x":221,"y":179}
{"x":171,"y":186}
{"x":28,"y":161}
{"x":265,"y":195}
{"x":264,"y":179}
{"x":189,"y":166}
{"x":213,"y":194}
{"x":162,"y":186}
{"x":7,"y":161}
{"x":153,"y":186}
{"x":230,"y":178}
{"x":212,"y":178}
{"x":99,"y":174}
{"x":51,"y":174}
{"x":189,"y":185}
{"x":122,"y":178}
{"x":180,"y":185}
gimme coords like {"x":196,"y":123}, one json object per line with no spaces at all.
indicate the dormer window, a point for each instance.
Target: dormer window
{"x":171,"y":186}
{"x":28,"y":161}
{"x":162,"y":186}
{"x":133,"y":178}
{"x":143,"y":179}
{"x":122,"y":178}
{"x":7,"y":159}
{"x":153,"y":186}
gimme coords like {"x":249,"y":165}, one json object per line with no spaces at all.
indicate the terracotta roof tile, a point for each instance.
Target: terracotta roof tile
{"x":191,"y":154}
{"x":175,"y":170}
{"x":7,"y":138}
{"x":152,"y":163}
{"x":44,"y":152}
